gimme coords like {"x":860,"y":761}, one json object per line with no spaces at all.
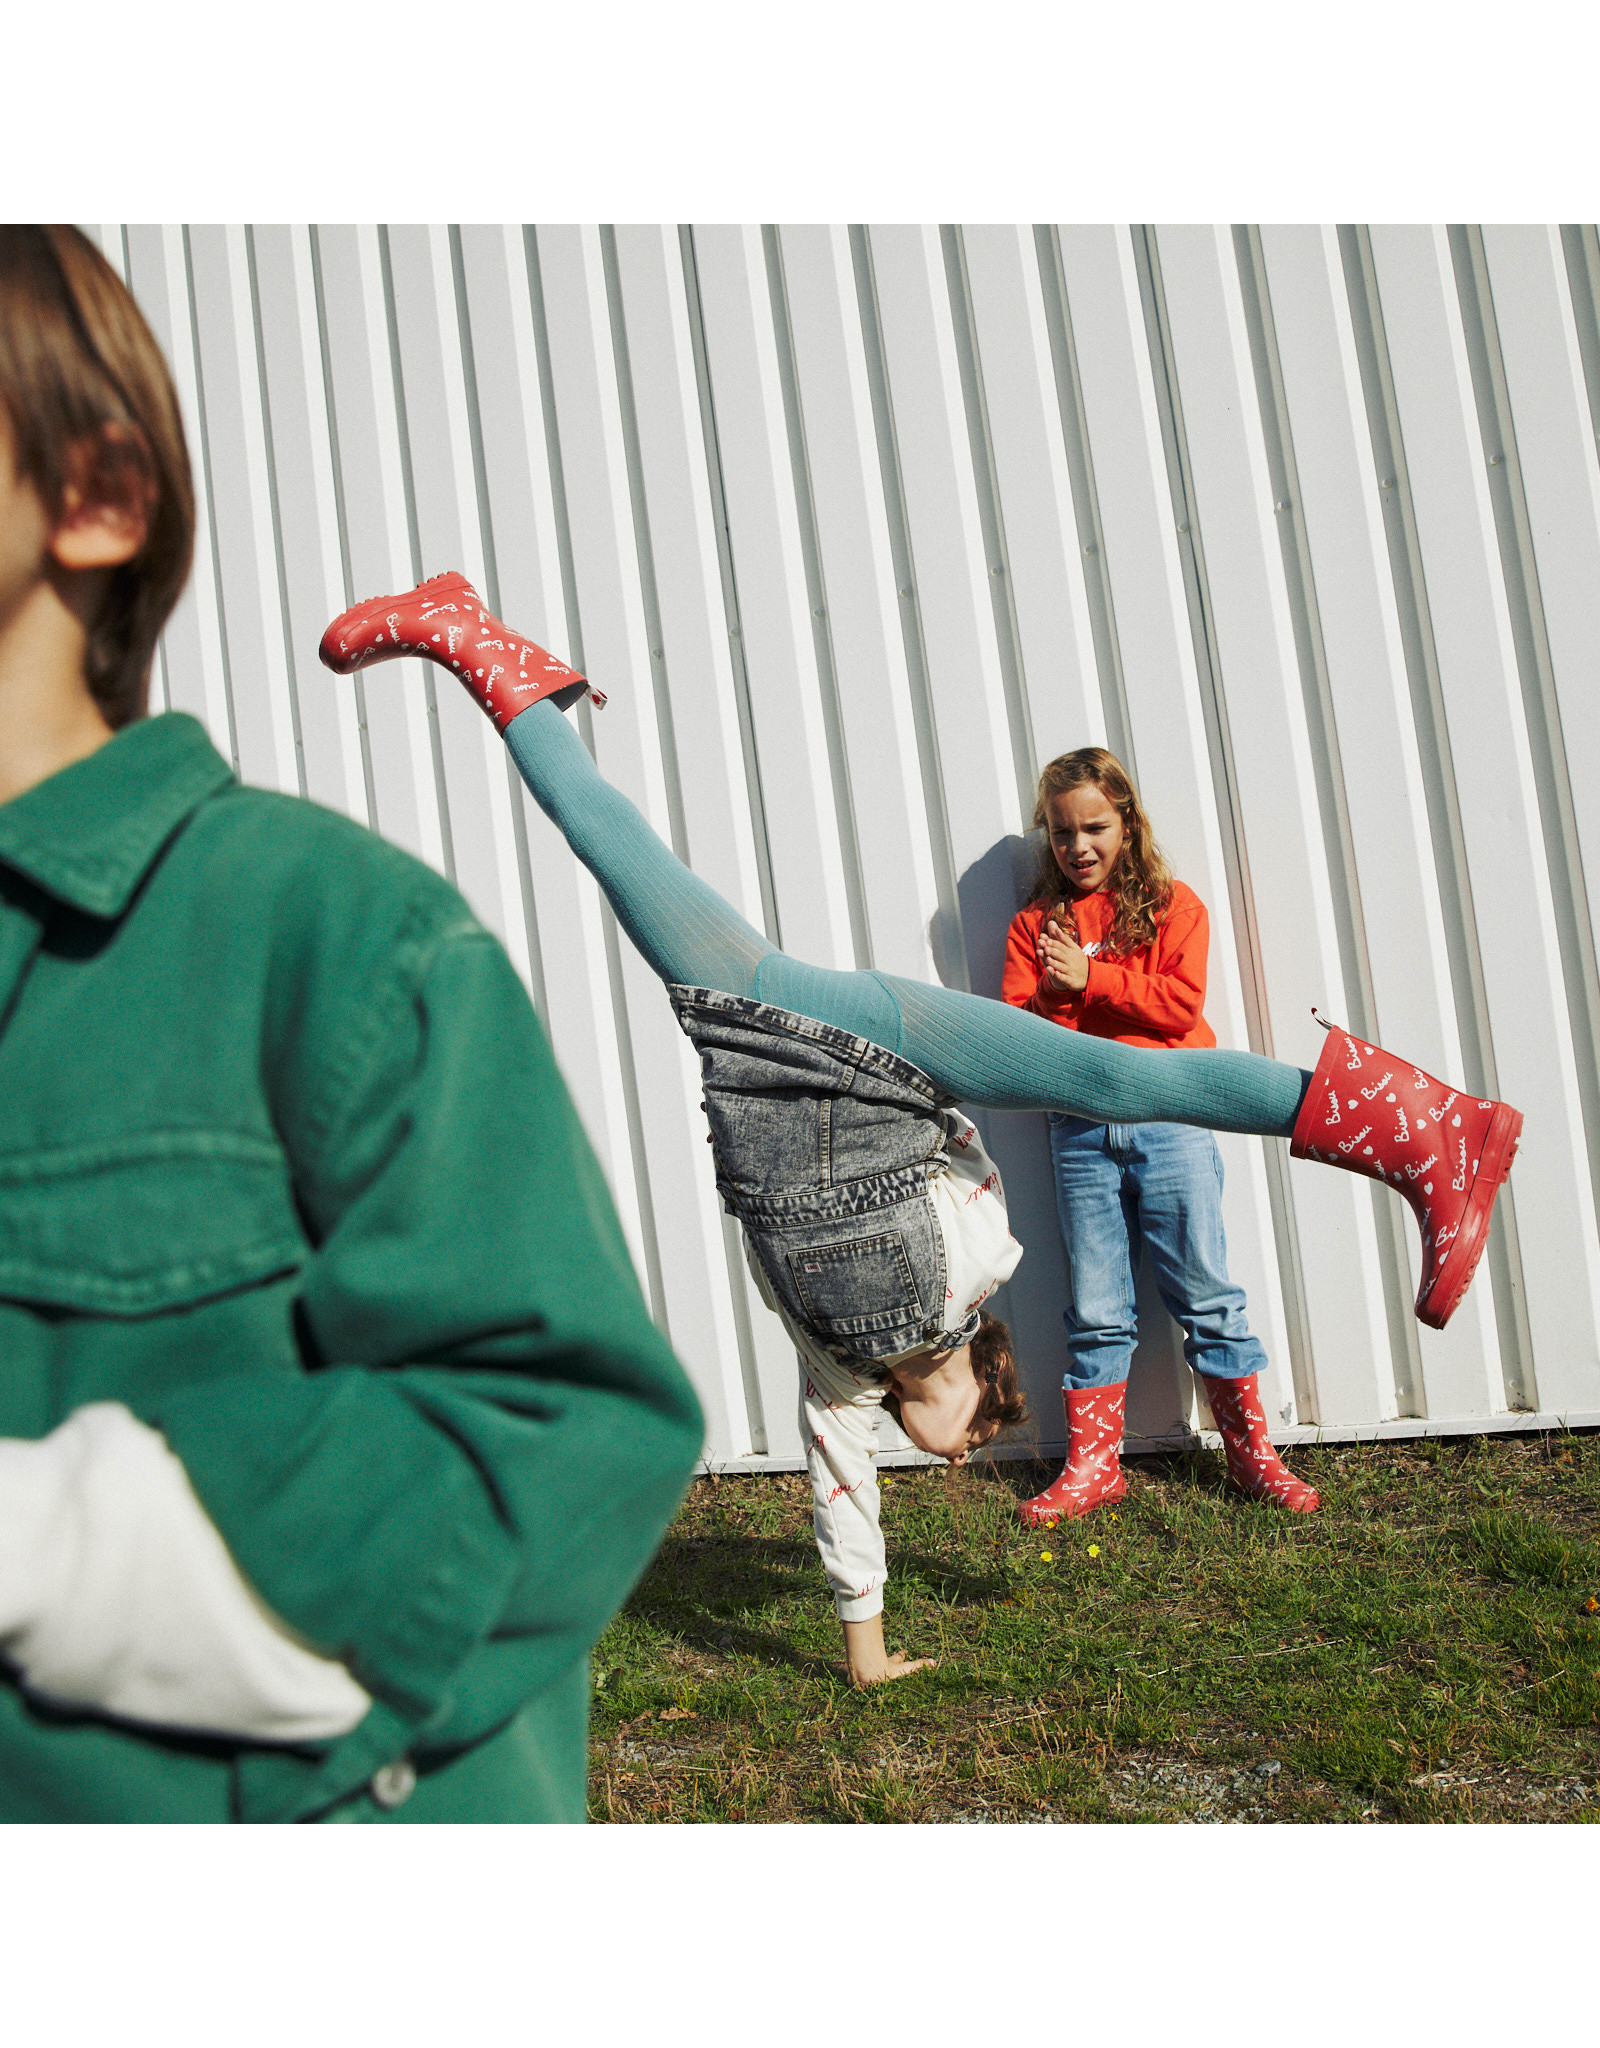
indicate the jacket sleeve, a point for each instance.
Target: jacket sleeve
{"x":1166,"y":1001}
{"x":1022,"y":982}
{"x":491,"y":1436}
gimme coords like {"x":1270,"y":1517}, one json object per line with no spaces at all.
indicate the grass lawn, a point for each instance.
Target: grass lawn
{"x":1421,"y":1650}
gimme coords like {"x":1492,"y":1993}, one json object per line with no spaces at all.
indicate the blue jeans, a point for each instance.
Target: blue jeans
{"x":1122,"y":1185}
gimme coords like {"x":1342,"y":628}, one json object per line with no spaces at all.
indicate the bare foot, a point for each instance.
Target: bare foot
{"x":893,"y":1667}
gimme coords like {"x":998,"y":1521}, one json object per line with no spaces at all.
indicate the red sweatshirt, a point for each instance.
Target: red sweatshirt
{"x":1152,"y":997}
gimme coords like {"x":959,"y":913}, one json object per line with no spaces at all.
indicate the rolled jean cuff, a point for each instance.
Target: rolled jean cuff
{"x":858,"y":1606}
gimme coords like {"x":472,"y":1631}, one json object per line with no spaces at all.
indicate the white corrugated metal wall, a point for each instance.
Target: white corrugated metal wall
{"x":857,"y":527}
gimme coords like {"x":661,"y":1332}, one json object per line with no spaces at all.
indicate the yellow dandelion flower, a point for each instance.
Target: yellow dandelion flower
{"x":1094,"y":1550}
{"x":1045,"y":1556}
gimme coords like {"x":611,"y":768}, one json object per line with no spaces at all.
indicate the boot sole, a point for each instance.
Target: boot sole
{"x":1437,"y":1304}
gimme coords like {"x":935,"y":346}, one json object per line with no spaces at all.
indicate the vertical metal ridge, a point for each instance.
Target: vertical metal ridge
{"x":817,"y":601}
{"x":1438,"y":780}
{"x":1230,"y":811}
{"x":1328,"y":766}
{"x":730,"y":585}
{"x":1085,"y":498}
{"x":211,"y":499}
{"x":491,"y":577}
{"x":158,"y":664}
{"x":331,"y":411}
{"x":622,"y":363}
{"x":991,"y":518}
{"x":921,"y":689}
{"x":1536,"y":669}
{"x":1581,"y":248}
{"x":608,"y":923}
{"x":277,"y":517}
{"x":414,"y":535}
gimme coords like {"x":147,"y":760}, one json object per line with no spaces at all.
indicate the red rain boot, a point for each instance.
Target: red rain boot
{"x":1253,"y":1465}
{"x":1092,"y":1475}
{"x":446,"y":620}
{"x":1447,"y":1153}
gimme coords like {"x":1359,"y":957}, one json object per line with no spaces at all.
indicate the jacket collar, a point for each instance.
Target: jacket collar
{"x":89,"y":835}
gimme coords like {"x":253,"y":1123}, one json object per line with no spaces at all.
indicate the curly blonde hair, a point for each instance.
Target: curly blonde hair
{"x":1140,"y":885}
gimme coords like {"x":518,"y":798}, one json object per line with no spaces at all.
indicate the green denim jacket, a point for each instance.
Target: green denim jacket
{"x":268,"y":1103}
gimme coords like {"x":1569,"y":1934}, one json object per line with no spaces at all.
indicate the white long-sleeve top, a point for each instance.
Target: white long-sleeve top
{"x":117,"y":1593}
{"x":841,"y":1397}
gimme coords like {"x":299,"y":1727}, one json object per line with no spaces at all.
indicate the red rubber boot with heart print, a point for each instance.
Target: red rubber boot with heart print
{"x":446,"y":621}
{"x":1253,"y":1465}
{"x":1446,"y":1152}
{"x":1092,"y":1475}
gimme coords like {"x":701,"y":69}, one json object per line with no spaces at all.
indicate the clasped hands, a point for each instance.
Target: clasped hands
{"x":1063,"y":963}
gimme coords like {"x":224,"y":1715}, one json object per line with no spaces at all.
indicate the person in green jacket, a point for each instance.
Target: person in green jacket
{"x":333,"y":1426}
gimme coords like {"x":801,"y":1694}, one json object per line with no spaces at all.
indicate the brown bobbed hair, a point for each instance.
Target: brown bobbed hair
{"x":1140,"y":885}
{"x":79,"y":366}
{"x":1003,"y":1400}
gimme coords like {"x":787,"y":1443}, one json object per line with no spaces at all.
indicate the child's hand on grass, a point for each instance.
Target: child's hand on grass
{"x":868,"y":1662}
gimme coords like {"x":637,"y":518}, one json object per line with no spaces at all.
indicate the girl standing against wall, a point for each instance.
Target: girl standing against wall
{"x":1112,"y":945}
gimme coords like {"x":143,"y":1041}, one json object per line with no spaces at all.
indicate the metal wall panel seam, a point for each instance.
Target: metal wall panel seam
{"x":312,"y":586}
{"x":1271,"y":750}
{"x":1126,"y":442}
{"x":856,"y":571}
{"x":209,"y":514}
{"x":718,"y":1304}
{"x":770,"y":921}
{"x":660,"y":680}
{"x":1043,"y":564}
{"x":572,"y":340}
{"x":448,"y":535}
{"x":1439,"y":782}
{"x":799,"y":755}
{"x":341,"y":515}
{"x":527,"y":955}
{"x":1300,"y":585}
{"x":112,"y":238}
{"x":817,"y":603}
{"x":1247,"y":936}
{"x":948,"y":942}
{"x":1536,"y":669}
{"x":1085,"y":500}
{"x":618,"y":1081}
{"x":668,"y":453}
{"x":279,"y":563}
{"x":1340,"y":508}
{"x":693,"y":648}
{"x":159,"y":279}
{"x":967,"y":697}
{"x":1581,"y":248}
{"x":430,"y":694}
{"x":240,"y":524}
{"x":683,"y":1220}
{"x":1492,"y":754}
{"x":991,"y":518}
{"x":399,"y":735}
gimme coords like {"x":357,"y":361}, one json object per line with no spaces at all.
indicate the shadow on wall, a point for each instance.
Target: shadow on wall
{"x":991,"y":891}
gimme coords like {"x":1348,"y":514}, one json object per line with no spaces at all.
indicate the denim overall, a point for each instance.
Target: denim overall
{"x":825,"y":1144}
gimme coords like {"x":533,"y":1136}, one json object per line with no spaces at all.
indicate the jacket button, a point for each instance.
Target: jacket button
{"x":393,"y":1784}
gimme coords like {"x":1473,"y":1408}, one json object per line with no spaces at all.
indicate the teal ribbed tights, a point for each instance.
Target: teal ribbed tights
{"x":976,"y":1050}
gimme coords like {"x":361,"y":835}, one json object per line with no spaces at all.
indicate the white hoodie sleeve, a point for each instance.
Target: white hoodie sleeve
{"x":117,"y":1593}
{"x":839,"y":1412}
{"x":838,"y":1424}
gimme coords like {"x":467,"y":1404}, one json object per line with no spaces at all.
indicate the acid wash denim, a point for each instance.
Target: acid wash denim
{"x":1120,"y":1185}
{"x":825,"y":1144}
